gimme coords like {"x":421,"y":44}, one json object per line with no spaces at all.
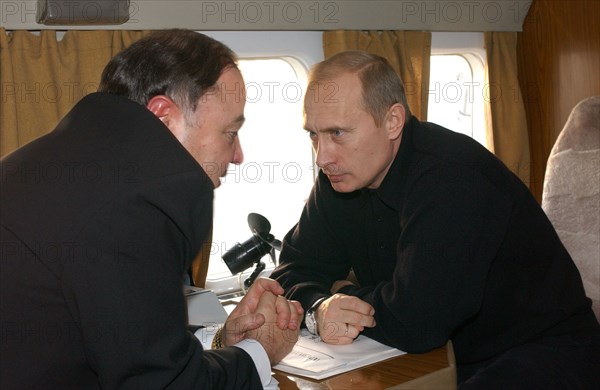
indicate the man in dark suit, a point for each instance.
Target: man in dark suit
{"x":101,"y":217}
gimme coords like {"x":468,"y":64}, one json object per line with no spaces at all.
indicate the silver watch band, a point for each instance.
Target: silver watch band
{"x":310,"y":319}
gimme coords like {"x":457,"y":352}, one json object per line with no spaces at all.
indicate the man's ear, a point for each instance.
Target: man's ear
{"x":395,"y":119}
{"x":160,"y":105}
{"x":168,"y":112}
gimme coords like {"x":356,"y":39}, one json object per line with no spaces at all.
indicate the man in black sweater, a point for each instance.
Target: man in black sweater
{"x":101,"y":218}
{"x":444,"y":241}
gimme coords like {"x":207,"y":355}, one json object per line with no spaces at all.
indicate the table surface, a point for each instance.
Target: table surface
{"x":381,"y":375}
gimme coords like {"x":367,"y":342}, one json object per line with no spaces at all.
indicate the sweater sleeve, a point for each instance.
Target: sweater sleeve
{"x":311,"y":259}
{"x":452,"y":224}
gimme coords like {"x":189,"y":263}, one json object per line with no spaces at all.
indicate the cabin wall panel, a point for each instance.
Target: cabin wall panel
{"x":559,"y":62}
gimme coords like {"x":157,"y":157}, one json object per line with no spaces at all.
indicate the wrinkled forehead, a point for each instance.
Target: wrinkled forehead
{"x":334,"y":105}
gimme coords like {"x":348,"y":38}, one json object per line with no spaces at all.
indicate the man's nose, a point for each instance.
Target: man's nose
{"x":324,"y":154}
{"x":238,"y":154}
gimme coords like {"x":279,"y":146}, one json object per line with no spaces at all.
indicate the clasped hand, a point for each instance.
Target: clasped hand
{"x":266,"y":316}
{"x":341,"y":318}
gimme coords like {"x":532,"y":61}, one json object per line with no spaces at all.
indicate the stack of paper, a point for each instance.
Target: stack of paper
{"x":313,"y":358}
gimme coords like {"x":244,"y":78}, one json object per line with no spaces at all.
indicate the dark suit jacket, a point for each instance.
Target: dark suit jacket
{"x":99,"y":221}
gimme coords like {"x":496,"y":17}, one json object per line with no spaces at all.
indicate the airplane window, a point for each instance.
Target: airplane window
{"x":455,"y":96}
{"x":277,"y":173}
{"x":457,"y":90}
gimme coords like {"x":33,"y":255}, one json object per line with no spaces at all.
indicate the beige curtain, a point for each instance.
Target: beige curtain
{"x":43,"y":77}
{"x":407,"y":51}
{"x":505,"y":109}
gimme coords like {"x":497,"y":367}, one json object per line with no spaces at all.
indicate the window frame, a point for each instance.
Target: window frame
{"x":470,"y":46}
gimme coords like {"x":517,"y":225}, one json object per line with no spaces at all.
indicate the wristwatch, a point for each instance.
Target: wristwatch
{"x":309,"y":318}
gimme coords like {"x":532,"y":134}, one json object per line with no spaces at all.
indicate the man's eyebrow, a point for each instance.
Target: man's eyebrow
{"x":239,"y":120}
{"x":330,"y":129}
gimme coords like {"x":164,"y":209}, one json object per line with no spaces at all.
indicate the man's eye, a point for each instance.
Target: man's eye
{"x":312,"y":134}
{"x":338,"y":133}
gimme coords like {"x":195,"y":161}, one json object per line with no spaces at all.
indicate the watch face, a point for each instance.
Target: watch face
{"x":311,"y":323}
{"x":309,"y":319}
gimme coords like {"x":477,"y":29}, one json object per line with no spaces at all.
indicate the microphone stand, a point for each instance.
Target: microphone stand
{"x":260,"y":267}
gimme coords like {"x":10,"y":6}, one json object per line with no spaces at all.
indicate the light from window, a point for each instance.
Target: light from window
{"x":456,"y":95}
{"x":277,"y":173}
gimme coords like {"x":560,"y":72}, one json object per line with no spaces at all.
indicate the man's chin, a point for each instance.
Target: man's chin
{"x":341,"y":186}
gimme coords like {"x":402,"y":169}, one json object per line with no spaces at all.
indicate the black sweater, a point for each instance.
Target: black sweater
{"x":451,"y":246}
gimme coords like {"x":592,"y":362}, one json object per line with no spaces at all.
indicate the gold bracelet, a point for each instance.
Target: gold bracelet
{"x":217,"y":342}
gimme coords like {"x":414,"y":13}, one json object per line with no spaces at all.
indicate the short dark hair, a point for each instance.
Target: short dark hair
{"x":181,"y":64}
{"x":381,"y":86}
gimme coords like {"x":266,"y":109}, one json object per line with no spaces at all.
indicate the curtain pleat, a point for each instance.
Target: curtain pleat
{"x":43,"y":77}
{"x":408,"y":52}
{"x":509,"y":136}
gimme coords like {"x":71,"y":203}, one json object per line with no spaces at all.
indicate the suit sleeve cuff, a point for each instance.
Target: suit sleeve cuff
{"x":253,"y":348}
{"x":260,"y":358}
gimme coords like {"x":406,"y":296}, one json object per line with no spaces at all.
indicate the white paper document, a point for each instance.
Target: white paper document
{"x":315,"y":359}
